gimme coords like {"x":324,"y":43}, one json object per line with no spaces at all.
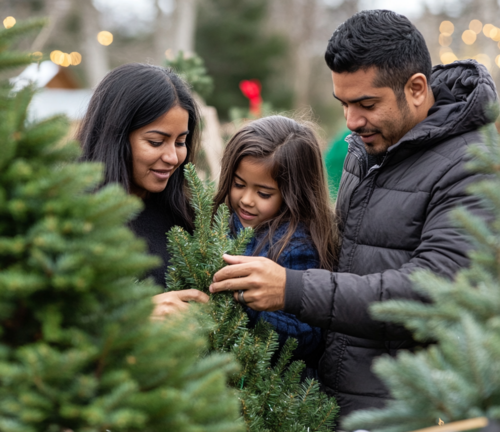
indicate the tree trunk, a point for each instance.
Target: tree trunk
{"x":185,"y":25}
{"x":95,"y":56}
{"x":57,"y":10}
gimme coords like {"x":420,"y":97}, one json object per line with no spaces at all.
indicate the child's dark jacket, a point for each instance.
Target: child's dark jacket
{"x":299,"y":254}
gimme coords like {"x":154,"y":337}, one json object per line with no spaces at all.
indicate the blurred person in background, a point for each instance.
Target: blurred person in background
{"x":142,"y":124}
{"x":404,"y":172}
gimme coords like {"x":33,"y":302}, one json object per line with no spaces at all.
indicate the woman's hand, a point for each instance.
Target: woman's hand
{"x":262,"y":280}
{"x":175,"y":301}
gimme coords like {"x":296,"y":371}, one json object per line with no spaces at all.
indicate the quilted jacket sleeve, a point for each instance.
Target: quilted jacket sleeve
{"x":339,"y":301}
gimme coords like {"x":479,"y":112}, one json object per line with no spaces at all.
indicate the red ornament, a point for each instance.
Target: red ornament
{"x":251,"y":90}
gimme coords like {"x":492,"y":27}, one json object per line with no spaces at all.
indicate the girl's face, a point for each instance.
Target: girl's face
{"x":254,"y":194}
{"x":158,"y":149}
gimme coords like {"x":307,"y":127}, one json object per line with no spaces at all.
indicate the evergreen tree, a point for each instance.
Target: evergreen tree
{"x":272,"y":397}
{"x":232,"y":39}
{"x":458,"y":377}
{"x":192,"y":69}
{"x":77,"y":349}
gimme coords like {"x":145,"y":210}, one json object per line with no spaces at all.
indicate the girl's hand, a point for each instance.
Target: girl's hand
{"x":175,"y":301}
{"x":262,"y":280}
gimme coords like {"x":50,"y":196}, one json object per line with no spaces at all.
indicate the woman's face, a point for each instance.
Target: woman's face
{"x":158,"y":149}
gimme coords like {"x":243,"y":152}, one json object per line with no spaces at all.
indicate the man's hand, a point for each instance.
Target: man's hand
{"x":262,"y":280}
{"x":175,"y":302}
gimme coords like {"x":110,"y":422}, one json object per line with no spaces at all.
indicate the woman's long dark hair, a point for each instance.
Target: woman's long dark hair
{"x":292,"y":152}
{"x":128,"y":98}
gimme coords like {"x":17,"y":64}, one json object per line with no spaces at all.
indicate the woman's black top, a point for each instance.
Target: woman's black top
{"x":152,"y":224}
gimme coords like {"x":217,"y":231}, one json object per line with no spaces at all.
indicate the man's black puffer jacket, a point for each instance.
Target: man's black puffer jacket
{"x":394,"y":220}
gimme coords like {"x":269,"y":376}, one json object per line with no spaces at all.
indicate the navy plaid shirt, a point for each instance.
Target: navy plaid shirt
{"x":299,"y":254}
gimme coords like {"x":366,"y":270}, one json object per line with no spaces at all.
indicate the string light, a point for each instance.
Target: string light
{"x":65,"y":59}
{"x":448,"y":57}
{"x":495,"y":34}
{"x":57,"y":56}
{"x":443,"y":50}
{"x":37,"y":56}
{"x":169,"y":54}
{"x":476,"y":26}
{"x":445,"y":40}
{"x":105,"y":38}
{"x":76,"y":58}
{"x":487,"y":29}
{"x":9,"y":22}
{"x":484,"y":59}
{"x":469,"y":37}
{"x":446,"y":28}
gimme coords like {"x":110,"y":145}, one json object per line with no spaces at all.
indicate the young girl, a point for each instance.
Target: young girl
{"x":272,"y":179}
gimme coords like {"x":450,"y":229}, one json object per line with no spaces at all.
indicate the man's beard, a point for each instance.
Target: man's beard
{"x":394,"y":130}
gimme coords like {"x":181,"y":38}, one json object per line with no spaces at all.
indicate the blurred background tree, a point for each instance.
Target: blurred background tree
{"x":279,"y":42}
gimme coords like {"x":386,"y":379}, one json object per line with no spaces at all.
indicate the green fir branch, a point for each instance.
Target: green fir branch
{"x":265,"y":391}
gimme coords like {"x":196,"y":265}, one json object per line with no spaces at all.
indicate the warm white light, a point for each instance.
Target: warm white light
{"x":105,"y":38}
{"x":66,"y":60}
{"x":476,"y":26}
{"x":495,"y":34}
{"x":497,"y":61}
{"x":445,"y":40}
{"x":447,"y":28}
{"x":484,"y":59}
{"x":487,"y":29}
{"x":448,"y":57}
{"x":36,"y":56}
{"x":9,"y":22}
{"x":57,"y":57}
{"x":76,"y":58}
{"x":469,"y":37}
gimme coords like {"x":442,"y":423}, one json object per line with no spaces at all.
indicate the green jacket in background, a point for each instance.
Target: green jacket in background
{"x":334,"y":161}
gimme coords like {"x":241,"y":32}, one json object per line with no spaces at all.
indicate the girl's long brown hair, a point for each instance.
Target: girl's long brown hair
{"x":294,"y":156}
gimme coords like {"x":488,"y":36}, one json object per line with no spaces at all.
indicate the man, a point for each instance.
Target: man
{"x":403,"y":174}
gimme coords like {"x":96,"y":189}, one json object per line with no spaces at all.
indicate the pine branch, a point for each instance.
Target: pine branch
{"x":266,"y":393}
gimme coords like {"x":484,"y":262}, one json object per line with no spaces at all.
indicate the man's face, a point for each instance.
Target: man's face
{"x":372,"y":112}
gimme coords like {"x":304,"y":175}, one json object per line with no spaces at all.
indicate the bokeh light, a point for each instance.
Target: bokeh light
{"x":105,"y":38}
{"x":448,"y":57}
{"x":497,"y":61}
{"x":37,"y":56}
{"x":484,"y":59}
{"x":57,"y":56}
{"x":476,"y":26}
{"x":446,"y":28}
{"x":66,"y":60}
{"x":487,"y":29}
{"x":445,"y":40}
{"x":76,"y":58}
{"x":443,"y":50}
{"x":9,"y":22}
{"x":495,"y":34}
{"x":469,"y":37}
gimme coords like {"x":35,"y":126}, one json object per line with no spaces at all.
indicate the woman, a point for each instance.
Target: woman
{"x":142,"y":123}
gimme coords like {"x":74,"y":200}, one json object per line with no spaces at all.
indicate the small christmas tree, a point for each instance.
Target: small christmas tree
{"x":459,"y":376}
{"x":192,"y":69}
{"x":272,"y":397}
{"x":77,"y":349}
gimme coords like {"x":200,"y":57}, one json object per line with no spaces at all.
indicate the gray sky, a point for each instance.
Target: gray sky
{"x":122,"y":13}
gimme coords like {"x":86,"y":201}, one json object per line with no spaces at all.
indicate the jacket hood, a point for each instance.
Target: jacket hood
{"x":464,"y":92}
